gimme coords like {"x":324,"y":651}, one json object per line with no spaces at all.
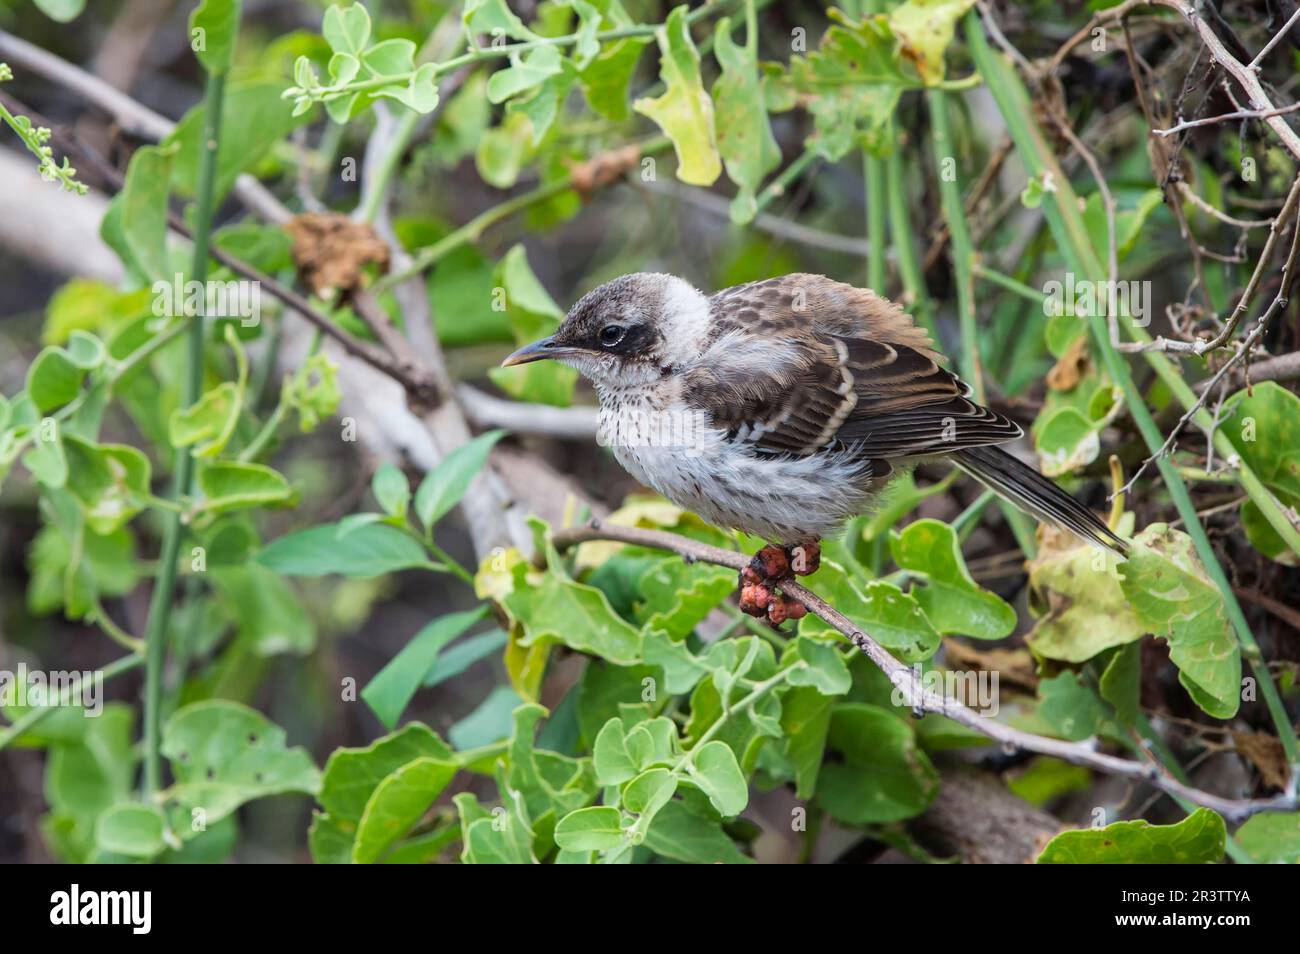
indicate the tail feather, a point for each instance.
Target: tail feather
{"x":1036,"y":495}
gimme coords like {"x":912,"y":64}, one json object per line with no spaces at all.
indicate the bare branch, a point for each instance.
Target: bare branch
{"x":1227,"y":117}
{"x":569,"y":423}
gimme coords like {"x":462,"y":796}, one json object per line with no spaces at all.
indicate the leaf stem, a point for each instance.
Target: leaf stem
{"x":160,"y":605}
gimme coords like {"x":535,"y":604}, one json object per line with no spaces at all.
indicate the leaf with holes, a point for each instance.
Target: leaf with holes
{"x":224,"y":754}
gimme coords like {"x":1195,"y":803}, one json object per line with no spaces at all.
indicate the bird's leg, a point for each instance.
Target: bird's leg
{"x":759,"y":582}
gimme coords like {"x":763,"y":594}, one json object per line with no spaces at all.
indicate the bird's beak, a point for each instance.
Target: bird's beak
{"x":537,"y":351}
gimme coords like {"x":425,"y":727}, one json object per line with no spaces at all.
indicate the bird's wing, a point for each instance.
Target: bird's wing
{"x":802,"y":393}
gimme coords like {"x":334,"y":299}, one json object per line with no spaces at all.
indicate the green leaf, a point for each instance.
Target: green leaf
{"x":605,"y":79}
{"x":649,"y":792}
{"x":420,"y":92}
{"x":1168,"y":588}
{"x":267,"y":610}
{"x":1128,"y":222}
{"x":551,"y":784}
{"x":389,"y":58}
{"x":805,"y":721}
{"x":62,"y":11}
{"x":502,"y":153}
{"x":884,"y":777}
{"x":682,"y":594}
{"x":494,"y":17}
{"x":855,"y":80}
{"x":232,"y":485}
{"x":681,"y":668}
{"x":224,"y":754}
{"x":464,"y":654}
{"x":542,"y":106}
{"x":817,"y":664}
{"x":924,"y":29}
{"x":597,"y":828}
{"x":110,"y":480}
{"x":346,"y":29}
{"x":398,"y":802}
{"x":445,"y":485}
{"x":1262,"y":424}
{"x":352,"y":775}
{"x":524,"y":72}
{"x":47,"y":459}
{"x":391,"y":689}
{"x":71,"y":564}
{"x":684,"y":112}
{"x":313,"y":391}
{"x":533,"y":314}
{"x":254,"y":118}
{"x":1070,"y":707}
{"x":893,"y":618}
{"x":86,"y":775}
{"x":53,"y":379}
{"x":131,"y":829}
{"x":370,"y":550}
{"x":681,"y":834}
{"x":716,"y":772}
{"x":952,"y":601}
{"x":391,"y":490}
{"x":214,"y":25}
{"x":575,"y":615}
{"x":504,"y":836}
{"x":490,"y":722}
{"x":1066,"y":440}
{"x":745,"y":141}
{"x":1271,"y":838}
{"x":1197,"y":839}
{"x":143,"y":204}
{"x":613,"y":764}
{"x":1047,"y":779}
{"x":460,"y":290}
{"x":1121,"y":682}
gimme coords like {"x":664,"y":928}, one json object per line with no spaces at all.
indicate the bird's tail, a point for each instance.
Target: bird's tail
{"x":1036,"y":495}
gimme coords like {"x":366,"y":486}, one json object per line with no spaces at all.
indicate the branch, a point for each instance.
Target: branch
{"x":577,"y":423}
{"x":1227,"y":117}
{"x":396,"y":364}
{"x":924,"y":700}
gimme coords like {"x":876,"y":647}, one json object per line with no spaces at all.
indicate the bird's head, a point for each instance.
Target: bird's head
{"x":632,"y":330}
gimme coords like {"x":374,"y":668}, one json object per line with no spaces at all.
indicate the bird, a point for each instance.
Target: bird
{"x":782,"y":408}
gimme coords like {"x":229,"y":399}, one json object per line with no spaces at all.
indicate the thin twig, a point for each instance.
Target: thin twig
{"x":923,"y":699}
{"x":1279,"y":304}
{"x":1226,"y":117}
{"x":1277,"y":37}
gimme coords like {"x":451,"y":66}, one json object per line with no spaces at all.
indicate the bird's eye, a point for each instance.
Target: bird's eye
{"x":611,"y":335}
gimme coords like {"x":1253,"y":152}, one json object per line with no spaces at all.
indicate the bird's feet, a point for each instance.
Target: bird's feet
{"x":760,"y":580}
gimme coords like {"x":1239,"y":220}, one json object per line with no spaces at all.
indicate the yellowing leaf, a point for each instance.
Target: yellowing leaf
{"x":924,"y":30}
{"x":685,"y":111}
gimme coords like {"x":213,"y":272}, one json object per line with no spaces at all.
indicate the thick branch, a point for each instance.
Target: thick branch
{"x":923,"y":699}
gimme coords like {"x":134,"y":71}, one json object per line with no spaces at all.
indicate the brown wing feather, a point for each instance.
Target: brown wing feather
{"x":808,"y":364}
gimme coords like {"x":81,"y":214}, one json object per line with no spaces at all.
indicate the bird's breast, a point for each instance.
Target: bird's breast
{"x":673,"y":448}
